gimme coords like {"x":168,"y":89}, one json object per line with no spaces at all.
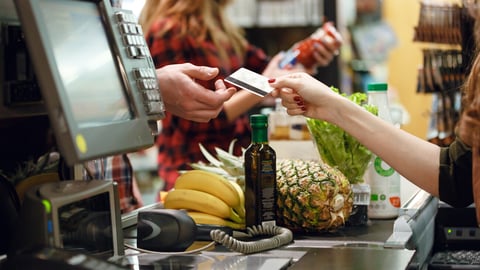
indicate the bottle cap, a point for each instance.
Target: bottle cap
{"x":258,"y":120}
{"x":377,"y":87}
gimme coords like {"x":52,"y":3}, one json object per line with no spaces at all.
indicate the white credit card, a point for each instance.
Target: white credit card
{"x":251,"y":81}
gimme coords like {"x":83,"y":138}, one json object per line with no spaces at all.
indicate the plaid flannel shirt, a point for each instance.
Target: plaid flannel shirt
{"x":178,"y":141}
{"x":119,"y":169}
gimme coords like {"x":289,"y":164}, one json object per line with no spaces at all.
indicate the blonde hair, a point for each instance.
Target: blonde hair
{"x":201,"y":19}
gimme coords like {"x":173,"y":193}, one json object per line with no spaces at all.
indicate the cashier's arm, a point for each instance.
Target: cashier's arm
{"x":414,"y":158}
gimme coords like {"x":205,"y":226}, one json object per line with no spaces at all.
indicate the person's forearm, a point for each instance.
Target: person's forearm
{"x":240,"y":103}
{"x":414,"y":158}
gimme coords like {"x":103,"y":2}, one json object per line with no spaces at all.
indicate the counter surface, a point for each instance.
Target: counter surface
{"x":361,"y":247}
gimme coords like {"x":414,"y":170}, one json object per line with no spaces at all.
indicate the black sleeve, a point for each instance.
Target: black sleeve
{"x":455,"y":179}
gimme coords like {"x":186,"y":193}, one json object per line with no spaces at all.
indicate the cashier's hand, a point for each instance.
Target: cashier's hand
{"x":185,"y":98}
{"x":303,"y":94}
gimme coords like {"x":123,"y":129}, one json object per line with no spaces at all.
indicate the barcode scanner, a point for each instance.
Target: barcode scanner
{"x":171,"y":230}
{"x":165,"y":230}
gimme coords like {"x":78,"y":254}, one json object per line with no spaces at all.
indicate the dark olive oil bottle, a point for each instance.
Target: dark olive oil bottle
{"x":260,"y":176}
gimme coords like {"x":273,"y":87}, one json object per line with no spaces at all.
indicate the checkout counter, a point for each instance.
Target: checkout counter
{"x":404,"y":243}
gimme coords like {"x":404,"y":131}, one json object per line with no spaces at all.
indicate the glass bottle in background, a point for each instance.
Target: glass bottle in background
{"x":298,"y":128}
{"x":384,"y":181}
{"x":260,"y":176}
{"x":278,"y":122}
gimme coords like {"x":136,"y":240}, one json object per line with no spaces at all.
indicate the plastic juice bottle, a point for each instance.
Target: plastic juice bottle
{"x":260,"y":176}
{"x":384,"y":181}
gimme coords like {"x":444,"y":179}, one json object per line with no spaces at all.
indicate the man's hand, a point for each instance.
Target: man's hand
{"x":185,"y":98}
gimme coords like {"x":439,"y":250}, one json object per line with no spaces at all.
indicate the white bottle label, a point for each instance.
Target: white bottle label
{"x":385,"y":190}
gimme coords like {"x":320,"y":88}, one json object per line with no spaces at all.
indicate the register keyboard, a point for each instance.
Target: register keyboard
{"x":455,"y":259}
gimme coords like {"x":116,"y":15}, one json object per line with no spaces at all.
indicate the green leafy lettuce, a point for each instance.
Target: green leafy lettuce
{"x":339,"y":149}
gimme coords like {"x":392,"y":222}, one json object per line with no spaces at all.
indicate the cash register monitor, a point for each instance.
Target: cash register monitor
{"x":96,"y":76}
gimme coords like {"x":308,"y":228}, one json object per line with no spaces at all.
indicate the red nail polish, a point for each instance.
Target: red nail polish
{"x":272,"y":80}
{"x":297,"y":98}
{"x":304,"y":108}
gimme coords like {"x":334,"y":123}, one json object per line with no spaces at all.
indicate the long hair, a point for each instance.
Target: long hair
{"x":201,"y":19}
{"x":470,"y":116}
{"x":469,"y":123}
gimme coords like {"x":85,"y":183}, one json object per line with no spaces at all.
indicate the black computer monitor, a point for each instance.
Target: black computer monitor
{"x":96,"y":76}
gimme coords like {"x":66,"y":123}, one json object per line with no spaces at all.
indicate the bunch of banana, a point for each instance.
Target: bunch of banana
{"x":211,"y":195}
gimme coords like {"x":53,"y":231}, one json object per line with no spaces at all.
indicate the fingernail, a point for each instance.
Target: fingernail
{"x":300,"y":103}
{"x":272,"y":80}
{"x":304,"y":108}
{"x":297,"y":98}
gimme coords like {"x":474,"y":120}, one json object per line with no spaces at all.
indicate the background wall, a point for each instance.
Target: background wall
{"x":403,"y":63}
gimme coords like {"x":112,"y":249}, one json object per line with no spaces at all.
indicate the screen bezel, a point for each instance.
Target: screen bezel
{"x":78,"y":144}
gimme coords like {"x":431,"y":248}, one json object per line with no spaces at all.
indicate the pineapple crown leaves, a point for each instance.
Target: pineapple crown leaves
{"x":223,"y":156}
{"x":230,"y":163}
{"x":224,"y":163}
{"x":215,"y":162}
{"x":205,"y":167}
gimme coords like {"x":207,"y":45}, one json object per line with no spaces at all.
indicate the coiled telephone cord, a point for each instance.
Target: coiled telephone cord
{"x":280,"y":236}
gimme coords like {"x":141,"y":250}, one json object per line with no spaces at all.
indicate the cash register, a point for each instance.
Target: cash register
{"x":99,"y":88}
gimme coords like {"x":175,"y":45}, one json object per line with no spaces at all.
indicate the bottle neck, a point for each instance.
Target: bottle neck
{"x":259,"y":135}
{"x":380,"y":99}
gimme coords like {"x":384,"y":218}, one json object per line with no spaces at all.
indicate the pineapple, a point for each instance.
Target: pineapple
{"x":312,"y":196}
